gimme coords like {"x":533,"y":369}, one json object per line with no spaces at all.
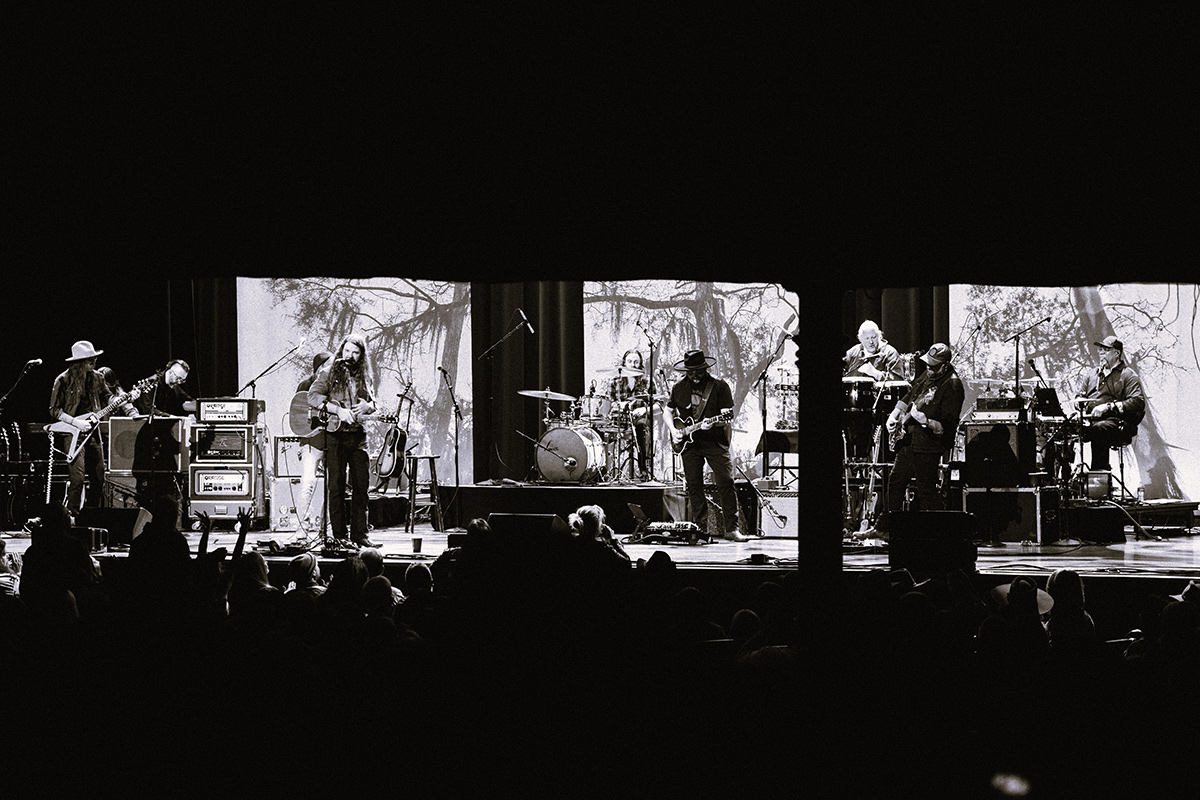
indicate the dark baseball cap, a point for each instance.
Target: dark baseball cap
{"x":1110,"y":343}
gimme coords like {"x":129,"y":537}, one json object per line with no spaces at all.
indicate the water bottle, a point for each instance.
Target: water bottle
{"x":1141,"y":494}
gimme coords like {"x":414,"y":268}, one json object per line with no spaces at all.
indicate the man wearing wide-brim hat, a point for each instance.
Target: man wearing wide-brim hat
{"x":78,"y":394}
{"x":702,"y":410}
{"x":1122,"y":403}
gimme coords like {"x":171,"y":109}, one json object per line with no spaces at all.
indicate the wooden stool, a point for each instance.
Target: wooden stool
{"x":410,"y":466}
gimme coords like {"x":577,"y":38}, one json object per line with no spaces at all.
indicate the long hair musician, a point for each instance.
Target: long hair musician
{"x":341,"y":393}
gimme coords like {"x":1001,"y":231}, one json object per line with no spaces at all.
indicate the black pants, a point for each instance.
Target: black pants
{"x":717,"y":457}
{"x":347,"y":451}
{"x":923,"y":467}
{"x":1103,"y":434}
{"x":87,"y":467}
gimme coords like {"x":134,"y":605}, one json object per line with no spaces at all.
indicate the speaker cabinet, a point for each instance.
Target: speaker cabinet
{"x":1018,"y":514}
{"x":1099,"y":524}
{"x":147,"y":444}
{"x":1000,"y":454}
{"x":931,"y":544}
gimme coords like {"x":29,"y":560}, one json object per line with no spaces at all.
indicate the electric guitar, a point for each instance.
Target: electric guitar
{"x":682,"y":433}
{"x":121,"y":399}
{"x":871,"y":498}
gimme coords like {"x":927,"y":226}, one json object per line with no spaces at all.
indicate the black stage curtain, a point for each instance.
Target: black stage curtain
{"x":911,"y":318}
{"x":550,"y":358}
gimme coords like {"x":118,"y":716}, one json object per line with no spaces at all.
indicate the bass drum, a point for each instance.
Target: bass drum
{"x":570,"y":455}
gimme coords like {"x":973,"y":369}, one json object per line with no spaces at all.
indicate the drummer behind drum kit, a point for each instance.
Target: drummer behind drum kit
{"x":593,"y":441}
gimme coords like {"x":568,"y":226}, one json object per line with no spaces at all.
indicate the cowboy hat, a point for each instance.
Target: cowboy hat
{"x":82,"y":350}
{"x":1044,"y":601}
{"x":1191,"y":592}
{"x":694,"y":359}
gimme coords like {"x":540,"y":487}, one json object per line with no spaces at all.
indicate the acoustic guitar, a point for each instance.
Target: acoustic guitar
{"x":395,"y":442}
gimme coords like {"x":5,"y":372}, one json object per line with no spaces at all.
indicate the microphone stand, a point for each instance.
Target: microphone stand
{"x":516,"y":328}
{"x":252,"y":385}
{"x":653,"y":362}
{"x":762,"y":395}
{"x":1016,"y":340}
{"x":457,"y":421}
{"x":567,"y":462}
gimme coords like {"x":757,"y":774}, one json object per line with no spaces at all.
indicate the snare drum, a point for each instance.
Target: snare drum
{"x":857,"y":394}
{"x":594,"y":406}
{"x":890,"y":393}
{"x":570,"y":455}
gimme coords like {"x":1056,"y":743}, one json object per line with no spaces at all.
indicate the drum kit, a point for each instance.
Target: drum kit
{"x":593,"y":440}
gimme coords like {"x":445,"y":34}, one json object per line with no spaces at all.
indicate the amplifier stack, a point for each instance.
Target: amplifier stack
{"x":225,"y":472}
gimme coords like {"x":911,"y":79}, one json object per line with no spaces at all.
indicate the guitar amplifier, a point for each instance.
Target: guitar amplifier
{"x":222,"y":444}
{"x":229,"y":410}
{"x":287,"y":506}
{"x":289,"y":461}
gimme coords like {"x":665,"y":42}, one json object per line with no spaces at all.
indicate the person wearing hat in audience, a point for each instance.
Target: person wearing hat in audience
{"x":1190,"y":593}
{"x":698,"y":400}
{"x":78,"y":394}
{"x":924,"y":423}
{"x":1122,"y":402}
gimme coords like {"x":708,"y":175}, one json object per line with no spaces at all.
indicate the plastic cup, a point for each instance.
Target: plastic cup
{"x":416,"y":542}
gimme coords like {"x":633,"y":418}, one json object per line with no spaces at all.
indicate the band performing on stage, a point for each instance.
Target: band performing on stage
{"x":209,"y":456}
{"x":912,"y":442}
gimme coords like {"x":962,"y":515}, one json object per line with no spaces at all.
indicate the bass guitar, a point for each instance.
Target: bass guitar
{"x":77,"y":444}
{"x":684,"y":430}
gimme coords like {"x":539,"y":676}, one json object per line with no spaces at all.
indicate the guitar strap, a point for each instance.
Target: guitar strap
{"x":699,"y":415}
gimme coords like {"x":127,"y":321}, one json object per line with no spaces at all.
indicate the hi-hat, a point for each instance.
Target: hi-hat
{"x":546,"y":395}
{"x":622,"y":371}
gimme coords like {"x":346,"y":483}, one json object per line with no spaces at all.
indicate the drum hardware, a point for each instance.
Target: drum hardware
{"x":568,"y":454}
{"x":620,"y":372}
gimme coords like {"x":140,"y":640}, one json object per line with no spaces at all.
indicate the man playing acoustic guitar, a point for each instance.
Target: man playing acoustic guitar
{"x":922,"y":427}
{"x":702,"y":409}
{"x":341,"y":392}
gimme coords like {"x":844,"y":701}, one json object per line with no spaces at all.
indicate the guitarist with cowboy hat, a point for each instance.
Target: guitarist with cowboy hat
{"x":78,"y":395}
{"x":923,"y":425}
{"x":701,"y":406}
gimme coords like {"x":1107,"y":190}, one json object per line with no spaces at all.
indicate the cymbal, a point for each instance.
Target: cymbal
{"x":620,"y":371}
{"x":546,"y":395}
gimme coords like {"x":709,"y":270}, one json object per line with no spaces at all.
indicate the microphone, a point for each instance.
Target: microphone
{"x":1034,"y":368}
{"x":525,"y":319}
{"x":443,"y":371}
{"x":31,"y":362}
{"x":569,"y":462}
{"x":303,"y":339}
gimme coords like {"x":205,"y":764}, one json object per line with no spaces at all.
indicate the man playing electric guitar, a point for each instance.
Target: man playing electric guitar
{"x":701,"y":407}
{"x":922,"y":427}
{"x":78,"y":396}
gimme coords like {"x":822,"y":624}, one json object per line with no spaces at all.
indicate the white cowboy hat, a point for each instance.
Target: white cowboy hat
{"x":83,"y":349}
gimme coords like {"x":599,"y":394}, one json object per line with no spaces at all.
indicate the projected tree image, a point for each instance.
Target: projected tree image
{"x":413,"y":327}
{"x":1156,"y":324}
